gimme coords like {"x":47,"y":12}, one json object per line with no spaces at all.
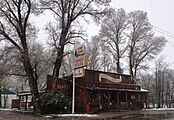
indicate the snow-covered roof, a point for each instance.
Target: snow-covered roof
{"x":6,"y":91}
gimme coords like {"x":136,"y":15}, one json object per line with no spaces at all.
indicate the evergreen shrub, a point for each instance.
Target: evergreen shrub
{"x":54,"y":103}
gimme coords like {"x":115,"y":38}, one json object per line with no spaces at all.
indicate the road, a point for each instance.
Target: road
{"x":126,"y":115}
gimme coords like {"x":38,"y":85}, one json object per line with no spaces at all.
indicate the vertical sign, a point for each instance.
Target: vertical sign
{"x":80,"y":50}
{"x":80,"y":61}
{"x":79,"y":72}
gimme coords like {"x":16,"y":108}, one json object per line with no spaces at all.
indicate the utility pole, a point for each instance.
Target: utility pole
{"x":73,"y":92}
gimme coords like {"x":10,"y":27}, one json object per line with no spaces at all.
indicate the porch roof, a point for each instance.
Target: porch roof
{"x":114,"y":89}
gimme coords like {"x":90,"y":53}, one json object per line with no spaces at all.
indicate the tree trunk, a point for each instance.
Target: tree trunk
{"x":0,"y":94}
{"x":59,"y":56}
{"x":162,"y":90}
{"x":57,"y":66}
{"x":119,"y":70}
{"x":5,"y":100}
{"x":159,"y":92}
{"x":131,"y":62}
{"x":32,"y":82}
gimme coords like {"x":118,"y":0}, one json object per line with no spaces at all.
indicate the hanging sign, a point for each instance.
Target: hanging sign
{"x":80,"y":50}
{"x":107,"y":77}
{"x":80,"y":61}
{"x":79,"y":72}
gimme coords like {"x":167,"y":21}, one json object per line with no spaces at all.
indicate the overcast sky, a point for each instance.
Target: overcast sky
{"x":161,"y":16}
{"x":159,"y":12}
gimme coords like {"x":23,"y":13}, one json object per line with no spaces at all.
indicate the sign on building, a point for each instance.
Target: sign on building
{"x":79,"y":72}
{"x":80,"y":61}
{"x":80,"y":50}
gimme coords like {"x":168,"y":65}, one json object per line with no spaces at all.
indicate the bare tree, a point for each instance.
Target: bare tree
{"x":147,"y":81}
{"x":16,"y":29}
{"x":40,"y":60}
{"x":2,"y":72}
{"x":106,"y":59}
{"x":41,"y":63}
{"x":159,"y":82}
{"x":143,"y":45}
{"x":94,"y":50}
{"x":112,"y":33}
{"x":161,"y":69}
{"x":169,"y":85}
{"x":67,"y":14}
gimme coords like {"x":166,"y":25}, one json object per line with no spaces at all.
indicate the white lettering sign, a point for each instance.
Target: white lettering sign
{"x":80,"y":61}
{"x":79,"y":72}
{"x":107,"y":77}
{"x":80,"y":50}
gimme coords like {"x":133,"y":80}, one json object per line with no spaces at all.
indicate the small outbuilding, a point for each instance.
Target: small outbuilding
{"x":6,"y":97}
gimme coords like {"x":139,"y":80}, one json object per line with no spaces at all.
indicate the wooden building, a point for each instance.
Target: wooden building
{"x":103,"y":91}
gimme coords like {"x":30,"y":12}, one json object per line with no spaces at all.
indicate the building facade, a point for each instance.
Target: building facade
{"x":103,"y":91}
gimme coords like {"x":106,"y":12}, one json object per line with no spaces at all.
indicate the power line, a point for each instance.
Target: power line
{"x":172,"y":36}
{"x":164,"y":30}
{"x":165,"y":33}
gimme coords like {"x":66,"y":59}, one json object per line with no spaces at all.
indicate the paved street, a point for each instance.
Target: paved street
{"x":18,"y":115}
{"x":157,"y":114}
{"x":14,"y":115}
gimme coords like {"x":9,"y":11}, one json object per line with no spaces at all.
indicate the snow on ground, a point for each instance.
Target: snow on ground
{"x":55,"y":115}
{"x":160,"y":109}
{"x":100,"y":115}
{"x":8,"y":109}
{"x":71,"y":115}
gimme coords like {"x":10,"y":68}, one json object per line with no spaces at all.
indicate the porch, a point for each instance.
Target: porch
{"x":102,"y":100}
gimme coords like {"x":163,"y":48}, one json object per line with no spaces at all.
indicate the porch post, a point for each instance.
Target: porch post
{"x":99,"y":100}
{"x":109,"y":98}
{"x":19,"y":103}
{"x":146,"y":100}
{"x":26,"y":102}
{"x":142,"y":99}
{"x":126,"y":100}
{"x":118,"y":101}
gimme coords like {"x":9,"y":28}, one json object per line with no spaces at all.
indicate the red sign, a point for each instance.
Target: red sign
{"x":80,"y":61}
{"x":80,"y":50}
{"x":62,"y":87}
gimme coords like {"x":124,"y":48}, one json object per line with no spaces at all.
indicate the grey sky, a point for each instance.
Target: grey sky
{"x":159,"y":12}
{"x":161,"y":16}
